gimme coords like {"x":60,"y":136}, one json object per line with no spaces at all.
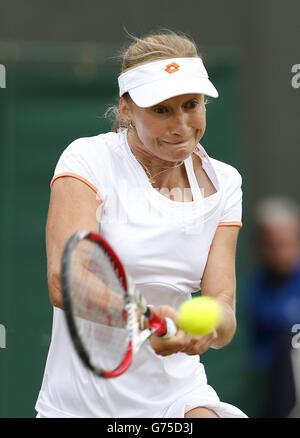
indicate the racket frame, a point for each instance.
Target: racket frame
{"x":133,"y":299}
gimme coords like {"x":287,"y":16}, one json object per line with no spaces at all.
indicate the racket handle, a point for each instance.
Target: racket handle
{"x":164,"y":327}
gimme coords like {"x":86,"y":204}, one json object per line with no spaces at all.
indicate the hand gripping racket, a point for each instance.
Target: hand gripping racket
{"x":103,"y":306}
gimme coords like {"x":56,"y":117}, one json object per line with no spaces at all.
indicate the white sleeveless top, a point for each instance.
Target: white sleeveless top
{"x":164,"y":246}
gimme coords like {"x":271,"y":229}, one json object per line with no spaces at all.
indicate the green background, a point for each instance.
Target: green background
{"x":54,"y":95}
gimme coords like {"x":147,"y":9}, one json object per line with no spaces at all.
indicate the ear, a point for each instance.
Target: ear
{"x":125,"y":111}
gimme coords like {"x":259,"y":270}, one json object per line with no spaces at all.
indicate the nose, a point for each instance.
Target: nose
{"x":179,"y":124}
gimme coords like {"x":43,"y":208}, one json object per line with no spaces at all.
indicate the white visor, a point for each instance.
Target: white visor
{"x":152,"y":83}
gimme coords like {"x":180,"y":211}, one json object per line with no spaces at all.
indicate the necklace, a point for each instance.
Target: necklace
{"x":152,"y":178}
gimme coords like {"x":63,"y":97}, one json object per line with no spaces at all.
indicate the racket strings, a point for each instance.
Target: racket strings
{"x":98,"y":303}
{"x":97,"y":294}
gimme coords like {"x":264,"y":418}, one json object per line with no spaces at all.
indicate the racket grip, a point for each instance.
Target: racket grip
{"x":171,"y":328}
{"x":164,"y":327}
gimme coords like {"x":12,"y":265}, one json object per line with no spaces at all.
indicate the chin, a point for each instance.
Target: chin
{"x":177,"y":157}
{"x":180,"y":152}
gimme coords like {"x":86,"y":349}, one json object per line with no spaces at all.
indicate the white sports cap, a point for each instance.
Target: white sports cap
{"x":152,"y":83}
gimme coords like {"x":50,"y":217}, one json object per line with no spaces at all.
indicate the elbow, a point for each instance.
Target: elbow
{"x":55,"y":290}
{"x":56,"y":300}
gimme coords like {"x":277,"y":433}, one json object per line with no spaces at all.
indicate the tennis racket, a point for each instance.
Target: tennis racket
{"x":103,"y":307}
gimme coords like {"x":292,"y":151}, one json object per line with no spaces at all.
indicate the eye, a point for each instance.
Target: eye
{"x":160,"y":110}
{"x":191,"y":105}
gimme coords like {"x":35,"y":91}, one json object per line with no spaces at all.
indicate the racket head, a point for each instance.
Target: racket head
{"x":94,"y":287}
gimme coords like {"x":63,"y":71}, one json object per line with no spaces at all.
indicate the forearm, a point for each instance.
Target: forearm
{"x":227,"y":327}
{"x":91,"y":298}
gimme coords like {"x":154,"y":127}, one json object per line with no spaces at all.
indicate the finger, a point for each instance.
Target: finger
{"x":165,"y":311}
{"x":168,"y":346}
{"x":198,"y":345}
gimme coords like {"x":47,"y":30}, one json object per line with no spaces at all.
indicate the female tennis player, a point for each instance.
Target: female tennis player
{"x":171,"y":213}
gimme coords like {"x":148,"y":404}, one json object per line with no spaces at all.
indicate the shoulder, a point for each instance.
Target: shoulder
{"x":91,"y":159}
{"x":227,"y":174}
{"x":94,"y":146}
{"x":230,"y":182}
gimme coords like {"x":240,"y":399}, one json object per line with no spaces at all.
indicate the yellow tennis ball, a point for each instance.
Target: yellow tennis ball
{"x":199,"y":316}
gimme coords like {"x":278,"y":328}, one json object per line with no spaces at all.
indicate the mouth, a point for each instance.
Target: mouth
{"x":176,"y":143}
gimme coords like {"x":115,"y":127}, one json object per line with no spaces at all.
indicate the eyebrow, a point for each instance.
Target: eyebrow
{"x":193,"y":98}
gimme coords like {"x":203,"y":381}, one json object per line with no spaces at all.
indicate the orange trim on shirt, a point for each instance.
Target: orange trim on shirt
{"x":230,"y":224}
{"x":80,"y":178}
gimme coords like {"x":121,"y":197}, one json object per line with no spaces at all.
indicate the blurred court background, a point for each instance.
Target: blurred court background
{"x":61,"y":74}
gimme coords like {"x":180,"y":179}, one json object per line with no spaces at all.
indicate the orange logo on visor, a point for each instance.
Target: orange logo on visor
{"x":172,"y":68}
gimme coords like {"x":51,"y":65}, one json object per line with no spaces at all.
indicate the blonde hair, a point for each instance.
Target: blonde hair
{"x":156,"y":46}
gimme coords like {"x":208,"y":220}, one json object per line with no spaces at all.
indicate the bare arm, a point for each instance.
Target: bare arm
{"x":219,"y":280}
{"x":73,"y":206}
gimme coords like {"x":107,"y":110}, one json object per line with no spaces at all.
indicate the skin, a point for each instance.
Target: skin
{"x":165,"y":134}
{"x":162,"y":136}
